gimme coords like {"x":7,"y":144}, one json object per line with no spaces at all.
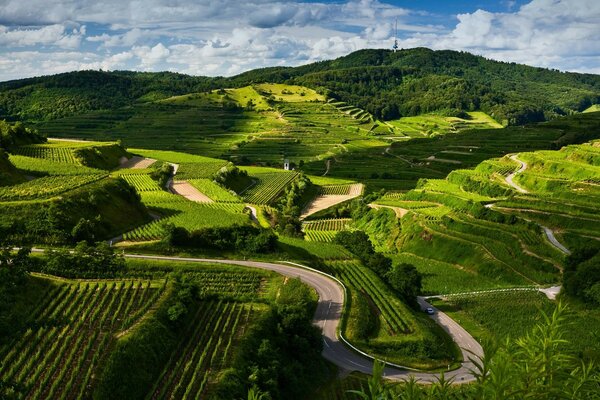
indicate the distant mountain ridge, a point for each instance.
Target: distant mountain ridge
{"x":386,"y":84}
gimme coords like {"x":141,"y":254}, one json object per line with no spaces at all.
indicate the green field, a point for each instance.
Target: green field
{"x":445,"y":194}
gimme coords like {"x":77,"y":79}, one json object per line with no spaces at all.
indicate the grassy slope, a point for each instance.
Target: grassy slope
{"x":50,"y":221}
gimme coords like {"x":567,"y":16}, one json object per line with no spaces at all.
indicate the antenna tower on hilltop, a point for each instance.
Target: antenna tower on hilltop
{"x":395,"y":47}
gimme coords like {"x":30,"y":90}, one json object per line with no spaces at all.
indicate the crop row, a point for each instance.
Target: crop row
{"x":141,"y":183}
{"x":336,"y":189}
{"x":214,"y":191}
{"x":333,"y":224}
{"x":269,"y":186}
{"x":199,"y":170}
{"x":395,"y":314}
{"x":192,"y":216}
{"x":227,"y":283}
{"x":69,"y":335}
{"x":204,"y":350}
{"x":59,"y":154}
{"x":319,"y":236}
{"x":46,"y":187}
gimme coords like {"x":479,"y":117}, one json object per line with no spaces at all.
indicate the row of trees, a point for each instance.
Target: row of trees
{"x":287,"y":211}
{"x":17,"y":134}
{"x":13,"y":276}
{"x":238,"y":238}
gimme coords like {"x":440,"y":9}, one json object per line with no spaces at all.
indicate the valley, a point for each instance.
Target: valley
{"x":255,"y":232}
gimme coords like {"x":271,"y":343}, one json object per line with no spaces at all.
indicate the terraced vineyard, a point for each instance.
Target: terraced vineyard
{"x":214,"y":191}
{"x":141,"y":182}
{"x":188,"y":215}
{"x":269,"y":185}
{"x":206,"y":349}
{"x":324,"y":230}
{"x":41,"y":166}
{"x":396,"y":316}
{"x":41,"y":188}
{"x":69,"y":335}
{"x":48,"y":152}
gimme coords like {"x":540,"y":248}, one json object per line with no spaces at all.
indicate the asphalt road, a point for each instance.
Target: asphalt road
{"x":328,"y":314}
{"x":509,"y":178}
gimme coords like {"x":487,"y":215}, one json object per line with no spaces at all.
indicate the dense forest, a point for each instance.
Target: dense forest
{"x":386,"y":84}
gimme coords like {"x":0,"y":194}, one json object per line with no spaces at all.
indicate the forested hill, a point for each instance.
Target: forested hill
{"x":388,"y":85}
{"x":414,"y":81}
{"x":55,"y":96}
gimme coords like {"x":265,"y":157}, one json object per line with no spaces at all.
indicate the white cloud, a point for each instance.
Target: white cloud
{"x":227,"y":37}
{"x":150,"y":56}
{"x":547,"y":33}
{"x":55,"y":35}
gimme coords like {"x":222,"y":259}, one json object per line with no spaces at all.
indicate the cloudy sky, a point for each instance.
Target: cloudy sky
{"x":226,"y":37}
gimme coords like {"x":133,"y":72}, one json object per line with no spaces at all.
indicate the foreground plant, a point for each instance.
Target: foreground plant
{"x":536,"y":366}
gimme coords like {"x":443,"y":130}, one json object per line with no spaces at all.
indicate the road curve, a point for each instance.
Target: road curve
{"x":554,"y":241}
{"x":331,"y":294}
{"x":509,"y":178}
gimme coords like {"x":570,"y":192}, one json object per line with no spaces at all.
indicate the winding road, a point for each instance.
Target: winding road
{"x":547,"y":231}
{"x":336,"y":349}
{"x":328,"y":314}
{"x":509,"y":178}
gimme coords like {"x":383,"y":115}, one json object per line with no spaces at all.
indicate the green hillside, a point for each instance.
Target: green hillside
{"x":387,"y":85}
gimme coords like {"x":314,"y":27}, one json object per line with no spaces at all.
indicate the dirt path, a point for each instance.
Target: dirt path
{"x":328,"y":165}
{"x":253,"y":213}
{"x":509,"y":178}
{"x":325,"y":201}
{"x":400,"y":212}
{"x":185,"y":189}
{"x":136,"y":162}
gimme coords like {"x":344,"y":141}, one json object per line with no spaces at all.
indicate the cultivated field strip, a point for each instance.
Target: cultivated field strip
{"x":269,"y":185}
{"x":68,"y":337}
{"x":191,"y":216}
{"x":141,"y":182}
{"x":214,"y":191}
{"x":203,"y":352}
{"x":397,"y":318}
{"x":324,"y":230}
{"x":45,"y":187}
{"x":58,"y":154}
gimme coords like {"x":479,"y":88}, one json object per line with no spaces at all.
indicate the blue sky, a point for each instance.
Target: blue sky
{"x":226,"y":37}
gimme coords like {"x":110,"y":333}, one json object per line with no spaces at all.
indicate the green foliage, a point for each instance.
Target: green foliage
{"x":289,"y":207}
{"x":232,"y":177}
{"x":13,"y":274}
{"x":52,"y":221}
{"x":147,"y":348}
{"x":407,"y":281}
{"x":85,"y":261}
{"x":359,"y":244}
{"x":236,"y":238}
{"x":75,"y":92}
{"x":161,"y":172}
{"x":581,"y":278}
{"x":17,"y":134}
{"x":537,"y":365}
{"x":281,"y":353}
